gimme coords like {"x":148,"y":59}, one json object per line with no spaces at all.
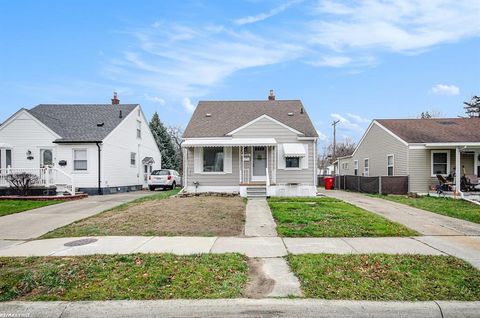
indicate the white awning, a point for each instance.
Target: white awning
{"x":233,"y":142}
{"x":294,"y":150}
{"x":5,"y":145}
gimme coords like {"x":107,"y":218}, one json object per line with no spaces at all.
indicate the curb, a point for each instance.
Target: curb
{"x":240,"y":308}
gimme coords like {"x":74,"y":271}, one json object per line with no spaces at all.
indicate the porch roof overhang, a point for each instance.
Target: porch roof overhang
{"x":5,"y":145}
{"x":233,"y":142}
{"x":452,"y":144}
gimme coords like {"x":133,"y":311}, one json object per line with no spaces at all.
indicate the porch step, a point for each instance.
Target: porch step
{"x":256,"y":192}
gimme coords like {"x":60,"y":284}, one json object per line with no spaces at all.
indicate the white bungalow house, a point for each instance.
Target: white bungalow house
{"x":418,"y":148}
{"x":97,"y":149}
{"x":254,"y":148}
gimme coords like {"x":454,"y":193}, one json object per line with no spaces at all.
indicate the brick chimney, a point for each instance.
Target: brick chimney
{"x":115,"y":100}
{"x":271,"y":96}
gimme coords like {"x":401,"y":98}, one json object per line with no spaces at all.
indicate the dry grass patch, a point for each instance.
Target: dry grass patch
{"x":194,"y":216}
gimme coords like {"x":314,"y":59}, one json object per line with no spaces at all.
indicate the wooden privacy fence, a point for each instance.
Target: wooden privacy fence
{"x":373,"y":185}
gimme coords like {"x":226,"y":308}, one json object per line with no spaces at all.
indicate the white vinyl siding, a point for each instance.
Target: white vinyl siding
{"x":376,"y":145}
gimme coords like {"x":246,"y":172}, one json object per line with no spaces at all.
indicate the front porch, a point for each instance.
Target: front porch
{"x":246,"y":166}
{"x":457,"y":168}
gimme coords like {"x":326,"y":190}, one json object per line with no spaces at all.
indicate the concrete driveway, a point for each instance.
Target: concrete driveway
{"x":34,"y":223}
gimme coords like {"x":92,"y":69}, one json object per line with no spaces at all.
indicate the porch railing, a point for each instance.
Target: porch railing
{"x":268,"y":177}
{"x":46,"y":177}
{"x":246,"y":175}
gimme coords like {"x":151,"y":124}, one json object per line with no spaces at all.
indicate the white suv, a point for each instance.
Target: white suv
{"x":164,"y":179}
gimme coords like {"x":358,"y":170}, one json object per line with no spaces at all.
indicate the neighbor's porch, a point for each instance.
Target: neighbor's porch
{"x":457,"y":165}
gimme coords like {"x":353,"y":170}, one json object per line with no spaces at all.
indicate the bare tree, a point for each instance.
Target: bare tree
{"x":22,"y":182}
{"x":430,"y":114}
{"x":472,"y":107}
{"x":344,"y":148}
{"x":175,"y":133}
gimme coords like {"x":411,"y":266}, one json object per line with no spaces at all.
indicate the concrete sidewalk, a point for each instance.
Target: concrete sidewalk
{"x":34,"y":223}
{"x":241,"y":308}
{"x":264,"y":247}
{"x":424,"y":222}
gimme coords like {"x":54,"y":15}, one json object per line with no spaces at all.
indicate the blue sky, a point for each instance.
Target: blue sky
{"x":347,"y":60}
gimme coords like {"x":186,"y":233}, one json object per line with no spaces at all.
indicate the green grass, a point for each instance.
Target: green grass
{"x":455,"y":208}
{"x":328,"y":217}
{"x":72,"y":230}
{"x":138,"y":276}
{"x":386,"y":277}
{"x":14,"y":206}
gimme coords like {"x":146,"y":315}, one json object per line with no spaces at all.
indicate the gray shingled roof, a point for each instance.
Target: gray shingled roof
{"x":229,"y":115}
{"x":435,"y":129}
{"x":78,"y":122}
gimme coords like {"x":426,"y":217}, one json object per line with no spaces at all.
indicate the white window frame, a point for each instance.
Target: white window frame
{"x":73,"y":160}
{"x":366,"y":170}
{"x":134,"y":157}
{"x":355,"y":167}
{"x":392,"y":165}
{"x":294,"y":168}
{"x":139,"y":129}
{"x":433,"y":174}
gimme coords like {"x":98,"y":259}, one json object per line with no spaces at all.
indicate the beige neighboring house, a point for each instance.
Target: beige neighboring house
{"x":417,"y":148}
{"x":254,"y":148}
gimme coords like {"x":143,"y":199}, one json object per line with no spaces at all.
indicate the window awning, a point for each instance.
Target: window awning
{"x":5,"y":145}
{"x":148,"y":161}
{"x":294,"y":150}
{"x":233,"y":142}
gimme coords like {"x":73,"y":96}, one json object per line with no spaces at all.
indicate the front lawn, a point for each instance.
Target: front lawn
{"x":159,"y":215}
{"x":139,"y":276}
{"x":14,"y":206}
{"x":455,"y":208}
{"x":386,"y":277}
{"x":328,"y":217}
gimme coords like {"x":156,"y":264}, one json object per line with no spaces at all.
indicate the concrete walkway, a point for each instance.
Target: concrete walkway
{"x":241,"y":308}
{"x":259,"y":220}
{"x":424,"y":222}
{"x":34,"y":223}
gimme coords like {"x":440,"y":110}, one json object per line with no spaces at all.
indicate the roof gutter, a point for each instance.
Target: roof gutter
{"x":77,"y":141}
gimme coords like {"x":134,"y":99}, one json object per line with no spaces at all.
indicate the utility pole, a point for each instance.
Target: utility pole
{"x":334,"y":124}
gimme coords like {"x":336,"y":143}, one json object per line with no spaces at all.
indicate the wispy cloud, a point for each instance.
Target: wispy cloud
{"x":331,"y":61}
{"x":398,"y":26}
{"x":265,"y":15}
{"x":179,"y":61}
{"x":444,"y":89}
{"x":355,"y":124}
{"x":187,"y":104}
{"x":155,"y":99}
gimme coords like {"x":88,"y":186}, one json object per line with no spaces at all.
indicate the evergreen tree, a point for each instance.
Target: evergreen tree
{"x":164,"y":142}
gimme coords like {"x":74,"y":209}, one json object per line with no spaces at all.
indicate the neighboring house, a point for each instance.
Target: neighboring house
{"x":251,"y":147}
{"x":327,"y":171}
{"x":417,"y":148}
{"x":88,"y":147}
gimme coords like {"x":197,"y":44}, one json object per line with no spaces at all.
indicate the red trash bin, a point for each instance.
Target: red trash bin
{"x":329,"y":183}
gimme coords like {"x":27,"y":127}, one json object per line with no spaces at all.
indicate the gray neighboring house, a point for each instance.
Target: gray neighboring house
{"x":255,"y":148}
{"x":417,"y":148}
{"x":96,"y":148}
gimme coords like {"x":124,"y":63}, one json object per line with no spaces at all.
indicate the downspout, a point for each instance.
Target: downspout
{"x":100,"y":192}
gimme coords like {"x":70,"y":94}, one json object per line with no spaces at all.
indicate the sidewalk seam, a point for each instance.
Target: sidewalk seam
{"x":136,"y":249}
{"x":437,"y":249}
{"x":211,"y":247}
{"x":346,"y":242}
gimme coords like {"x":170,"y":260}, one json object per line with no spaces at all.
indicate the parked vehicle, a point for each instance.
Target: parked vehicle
{"x":164,"y":179}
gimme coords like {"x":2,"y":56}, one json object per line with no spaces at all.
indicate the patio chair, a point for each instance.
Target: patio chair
{"x":444,"y":184}
{"x":473,"y":179}
{"x":466,"y":184}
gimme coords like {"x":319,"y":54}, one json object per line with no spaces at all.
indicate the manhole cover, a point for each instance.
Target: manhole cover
{"x":81,"y":242}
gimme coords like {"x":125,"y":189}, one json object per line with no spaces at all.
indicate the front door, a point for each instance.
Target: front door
{"x":259,"y":164}
{"x":46,"y":158}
